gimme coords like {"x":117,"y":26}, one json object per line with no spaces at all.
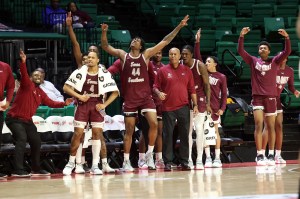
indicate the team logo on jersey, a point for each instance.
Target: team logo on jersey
{"x":169,"y":75}
{"x":263,"y":68}
{"x":101,"y":79}
{"x":182,"y":74}
{"x":78,"y":76}
{"x":104,"y":70}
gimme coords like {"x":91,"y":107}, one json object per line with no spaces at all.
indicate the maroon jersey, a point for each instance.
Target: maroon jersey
{"x":199,"y":86}
{"x":156,"y":67}
{"x":90,"y":86}
{"x":177,"y":83}
{"x":7,"y":82}
{"x":218,"y":87}
{"x":285,"y":76}
{"x":263,"y":73}
{"x":136,"y":87}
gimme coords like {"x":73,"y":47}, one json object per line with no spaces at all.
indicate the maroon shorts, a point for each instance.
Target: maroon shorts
{"x":86,"y":111}
{"x":265,"y":103}
{"x":279,"y":106}
{"x":147,"y":106}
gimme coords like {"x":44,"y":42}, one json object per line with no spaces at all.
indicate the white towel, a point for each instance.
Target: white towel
{"x":106,"y":83}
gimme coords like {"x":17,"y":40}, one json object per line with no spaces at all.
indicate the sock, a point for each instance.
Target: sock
{"x":271,"y":152}
{"x":259,"y":152}
{"x":78,"y":154}
{"x":207,"y":152}
{"x":104,"y":160}
{"x":126,"y":156}
{"x":191,"y":136}
{"x":72,"y":159}
{"x":96,"y":146}
{"x":217,"y":151}
{"x":263,"y":152}
{"x":158,"y":155}
{"x":278,"y":152}
{"x":141,"y":156}
{"x":82,"y":159}
{"x":150,"y":149}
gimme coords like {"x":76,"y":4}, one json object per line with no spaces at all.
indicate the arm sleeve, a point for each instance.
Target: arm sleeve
{"x":10,"y":84}
{"x":285,"y":53}
{"x":291,"y":82}
{"x":25,"y":79}
{"x":223,"y":93}
{"x":197,"y":53}
{"x":115,"y":67}
{"x":48,"y":102}
{"x":246,"y":57}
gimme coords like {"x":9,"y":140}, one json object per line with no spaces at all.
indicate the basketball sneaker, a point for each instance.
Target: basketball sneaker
{"x":79,"y":169}
{"x":271,"y":160}
{"x":260,"y":160}
{"x":279,"y":160}
{"x":199,"y":165}
{"x":150,"y":161}
{"x":159,"y":164}
{"x":107,"y":169}
{"x":142,"y":164}
{"x":69,"y":168}
{"x":127,"y":166}
{"x":95,"y":170}
{"x":217,"y":163}
{"x":208,"y":162}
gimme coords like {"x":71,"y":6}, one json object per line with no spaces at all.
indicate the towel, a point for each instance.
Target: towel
{"x":106,"y":83}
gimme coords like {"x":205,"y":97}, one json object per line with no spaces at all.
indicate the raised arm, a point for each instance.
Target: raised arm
{"x":166,"y":40}
{"x":25,"y":79}
{"x":287,"y":47}
{"x":76,"y":47}
{"x":204,"y":75}
{"x":197,"y":53}
{"x":108,"y":48}
{"x":246,"y":57}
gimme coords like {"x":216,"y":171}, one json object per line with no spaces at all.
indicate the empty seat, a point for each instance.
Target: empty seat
{"x":272,"y":24}
{"x":208,"y":42}
{"x":285,"y":11}
{"x":206,"y":10}
{"x":204,"y":22}
{"x":244,"y":7}
{"x":259,"y":12}
{"x":224,"y":23}
{"x":228,"y":11}
{"x":224,"y":56}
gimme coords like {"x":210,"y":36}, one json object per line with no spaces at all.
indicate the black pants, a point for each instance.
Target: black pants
{"x":183,"y":123}
{"x":22,"y":132}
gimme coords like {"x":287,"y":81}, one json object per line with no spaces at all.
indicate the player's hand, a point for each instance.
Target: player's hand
{"x":244,"y":31}
{"x":208,"y":109}
{"x":84,"y":98}
{"x":104,"y":27}
{"x":220,"y":112}
{"x":162,"y":95}
{"x":5,"y":106}
{"x":283,"y":32}
{"x":22,"y":56}
{"x":69,"y":19}
{"x":100,"y":107}
{"x":184,"y":21}
{"x":198,"y":35}
{"x":297,"y":93}
{"x":68,"y":101}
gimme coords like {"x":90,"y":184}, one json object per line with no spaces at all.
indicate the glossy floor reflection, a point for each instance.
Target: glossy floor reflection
{"x":280,"y":181}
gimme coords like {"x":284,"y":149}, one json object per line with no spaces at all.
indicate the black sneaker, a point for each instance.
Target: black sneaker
{"x":40,"y":173}
{"x":86,"y":167}
{"x":2,"y":175}
{"x":20,"y":174}
{"x":168,"y":167}
{"x":185,"y":167}
{"x":260,"y":160}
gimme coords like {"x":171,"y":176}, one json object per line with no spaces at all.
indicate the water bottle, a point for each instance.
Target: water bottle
{"x":102,"y":112}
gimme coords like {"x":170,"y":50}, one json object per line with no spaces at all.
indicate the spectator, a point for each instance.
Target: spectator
{"x":54,"y":16}
{"x":6,"y":83}
{"x":80,"y":18}
{"x":19,"y":120}
{"x":49,"y":88}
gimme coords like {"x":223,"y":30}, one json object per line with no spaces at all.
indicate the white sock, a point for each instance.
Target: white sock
{"x":259,"y":152}
{"x":191,"y":136}
{"x":199,"y":124}
{"x":207,"y":152}
{"x":126,"y":156}
{"x":96,"y":146}
{"x":263,"y":152}
{"x":141,"y":156}
{"x":278,"y":152}
{"x":158,"y":155}
{"x":104,"y":160}
{"x":217,"y":152}
{"x":72,"y":159}
{"x":150,"y":149}
{"x":82,"y":159}
{"x":271,"y":152}
{"x":78,"y":154}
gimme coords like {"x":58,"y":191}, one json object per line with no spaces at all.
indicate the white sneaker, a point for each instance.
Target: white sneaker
{"x":150,"y":161}
{"x":107,"y":169}
{"x":217,"y":163}
{"x":95,"y":170}
{"x":271,"y":160}
{"x":69,"y":168}
{"x":279,"y":160}
{"x":199,"y":165}
{"x":191,"y":164}
{"x":260,"y":160}
{"x":142,"y":164}
{"x":79,"y":169}
{"x":208,"y":162}
{"x":159,"y":164}
{"x":127,"y":166}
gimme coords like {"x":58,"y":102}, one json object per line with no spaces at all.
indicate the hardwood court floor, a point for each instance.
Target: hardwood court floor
{"x":235,"y":181}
